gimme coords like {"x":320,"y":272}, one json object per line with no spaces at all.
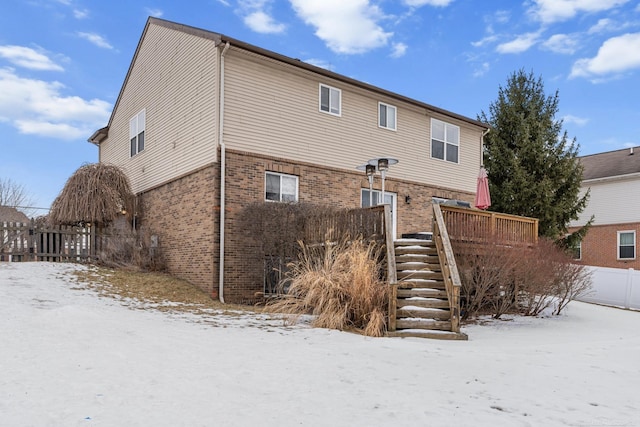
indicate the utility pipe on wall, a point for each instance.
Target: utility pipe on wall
{"x":222,"y":174}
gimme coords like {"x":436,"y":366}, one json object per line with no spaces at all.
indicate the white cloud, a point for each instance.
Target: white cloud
{"x":346,"y":26}
{"x":482,"y":70}
{"x":601,"y":26}
{"x":616,"y":55}
{"x":156,"y":13}
{"x":437,"y":3}
{"x":260,"y":22}
{"x":562,"y":43}
{"x":319,"y":63}
{"x":80,"y":13}
{"x":502,"y":16}
{"x":549,"y":11}
{"x":484,"y":41}
{"x":38,"y":107}
{"x":520,"y":44}
{"x":96,"y":39}
{"x":399,"y":49}
{"x":580,"y":121}
{"x":28,"y":58}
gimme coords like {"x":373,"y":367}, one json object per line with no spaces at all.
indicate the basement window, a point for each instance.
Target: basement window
{"x":280,"y":187}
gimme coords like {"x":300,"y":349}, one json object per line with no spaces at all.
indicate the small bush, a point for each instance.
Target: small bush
{"x":120,"y":246}
{"x":338,"y":284}
{"x":499,"y":279}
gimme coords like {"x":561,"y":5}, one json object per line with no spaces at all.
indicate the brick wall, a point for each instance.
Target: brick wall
{"x":184,"y":215}
{"x":600,"y":246}
{"x":244,"y":270}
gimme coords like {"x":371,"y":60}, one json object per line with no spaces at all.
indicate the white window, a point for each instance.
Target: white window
{"x":445,"y":141}
{"x":330,"y":100}
{"x":373,"y":198}
{"x":576,"y":251}
{"x":136,"y":132}
{"x":281,"y":187}
{"x":626,"y":244}
{"x":386,"y":116}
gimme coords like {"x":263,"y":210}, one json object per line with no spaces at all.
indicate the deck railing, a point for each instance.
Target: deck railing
{"x":472,"y":225}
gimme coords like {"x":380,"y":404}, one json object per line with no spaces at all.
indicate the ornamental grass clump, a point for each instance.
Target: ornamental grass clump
{"x":340,"y":285}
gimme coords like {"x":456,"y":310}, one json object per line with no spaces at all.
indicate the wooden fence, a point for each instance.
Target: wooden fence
{"x":31,"y":242}
{"x":472,"y":225}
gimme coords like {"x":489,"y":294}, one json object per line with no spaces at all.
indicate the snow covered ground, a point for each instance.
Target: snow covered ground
{"x":71,"y":358}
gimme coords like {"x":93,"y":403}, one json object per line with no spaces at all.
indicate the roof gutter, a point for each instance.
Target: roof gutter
{"x":223,"y":173}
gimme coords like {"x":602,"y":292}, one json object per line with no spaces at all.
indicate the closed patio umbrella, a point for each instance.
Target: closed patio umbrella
{"x":483,"y":198}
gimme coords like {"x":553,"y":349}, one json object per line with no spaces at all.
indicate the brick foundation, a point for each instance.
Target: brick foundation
{"x":184,"y":214}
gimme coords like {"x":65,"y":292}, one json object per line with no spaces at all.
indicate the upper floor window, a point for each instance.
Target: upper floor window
{"x":386,"y":116}
{"x":626,"y":244}
{"x":281,"y":187}
{"x":330,"y":100}
{"x":445,"y":141}
{"x":136,"y":132}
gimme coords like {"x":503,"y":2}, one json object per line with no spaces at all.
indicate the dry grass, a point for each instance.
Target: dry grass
{"x":340,"y":286}
{"x":162,"y":291}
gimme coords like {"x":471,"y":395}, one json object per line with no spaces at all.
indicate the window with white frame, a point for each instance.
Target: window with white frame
{"x":626,"y":244}
{"x":280,"y":187}
{"x":576,"y":251}
{"x":136,"y":132}
{"x":386,"y":116}
{"x":445,"y":141}
{"x":330,"y":100}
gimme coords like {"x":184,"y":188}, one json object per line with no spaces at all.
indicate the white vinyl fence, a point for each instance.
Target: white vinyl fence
{"x":614,"y":286}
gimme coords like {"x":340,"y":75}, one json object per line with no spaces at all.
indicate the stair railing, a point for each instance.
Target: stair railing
{"x":392,"y":274}
{"x":448,"y":265}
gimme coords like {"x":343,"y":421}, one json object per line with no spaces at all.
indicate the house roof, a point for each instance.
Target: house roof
{"x":611,"y":164}
{"x":10,"y":214}
{"x":101,"y":134}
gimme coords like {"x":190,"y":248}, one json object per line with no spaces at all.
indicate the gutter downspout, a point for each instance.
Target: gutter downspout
{"x":222,"y":175}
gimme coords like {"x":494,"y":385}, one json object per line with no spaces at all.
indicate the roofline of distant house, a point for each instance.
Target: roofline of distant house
{"x":101,"y":134}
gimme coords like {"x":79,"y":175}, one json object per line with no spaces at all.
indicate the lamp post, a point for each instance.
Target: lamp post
{"x":382,"y":164}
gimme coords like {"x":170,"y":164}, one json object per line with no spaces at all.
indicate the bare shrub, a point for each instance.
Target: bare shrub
{"x":487,"y":275}
{"x":339,"y":284}
{"x":572,"y":281}
{"x":499,"y":279}
{"x":121,"y":246}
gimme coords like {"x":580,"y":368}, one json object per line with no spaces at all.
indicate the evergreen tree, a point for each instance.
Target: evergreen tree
{"x":532,"y":165}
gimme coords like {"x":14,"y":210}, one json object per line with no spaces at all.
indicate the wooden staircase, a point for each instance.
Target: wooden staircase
{"x":419,"y":300}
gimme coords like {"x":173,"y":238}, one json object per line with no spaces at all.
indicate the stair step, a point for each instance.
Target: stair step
{"x":427,"y":293}
{"x":405,"y":286}
{"x":402,"y":265}
{"x":426,"y":258}
{"x":413,"y":323}
{"x":422,"y":313}
{"x":434,"y":334}
{"x":402,"y":250}
{"x":419,"y":274}
{"x":423,"y":302}
{"x":413,"y":242}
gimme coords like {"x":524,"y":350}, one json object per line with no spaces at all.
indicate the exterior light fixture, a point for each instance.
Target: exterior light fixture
{"x":370,"y":170}
{"x":407,"y":199}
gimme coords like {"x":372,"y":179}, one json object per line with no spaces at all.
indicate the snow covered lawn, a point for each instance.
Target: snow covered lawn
{"x":71,"y":358}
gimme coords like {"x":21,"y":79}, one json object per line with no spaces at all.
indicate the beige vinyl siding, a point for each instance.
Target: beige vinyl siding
{"x":272,"y":108}
{"x":174,"y":77}
{"x":611,"y":202}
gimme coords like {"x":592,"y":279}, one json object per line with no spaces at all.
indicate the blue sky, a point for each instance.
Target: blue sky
{"x":62,"y":62}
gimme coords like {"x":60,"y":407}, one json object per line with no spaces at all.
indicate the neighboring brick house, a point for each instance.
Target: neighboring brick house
{"x":197,"y":106}
{"x":613,"y":179}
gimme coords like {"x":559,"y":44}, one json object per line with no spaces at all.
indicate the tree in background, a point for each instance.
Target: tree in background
{"x":532,"y":166}
{"x":14,"y":195}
